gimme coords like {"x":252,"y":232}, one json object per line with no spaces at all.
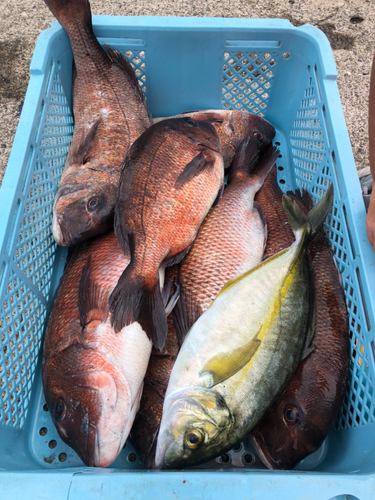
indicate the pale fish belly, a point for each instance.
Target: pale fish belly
{"x":246,"y":304}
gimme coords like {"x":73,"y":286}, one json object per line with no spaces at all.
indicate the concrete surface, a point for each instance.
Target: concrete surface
{"x":349,"y":25}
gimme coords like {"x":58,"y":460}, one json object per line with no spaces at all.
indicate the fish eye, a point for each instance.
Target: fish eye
{"x":59,"y":410}
{"x":291,"y":415}
{"x":92,"y":204}
{"x":190,"y":122}
{"x":194,"y":438}
{"x":258,"y":136}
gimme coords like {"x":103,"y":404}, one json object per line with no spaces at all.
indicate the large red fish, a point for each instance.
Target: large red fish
{"x":92,"y":377}
{"x":231,"y":240}
{"x":301,"y":418}
{"x":172,"y":176}
{"x":110,"y":112}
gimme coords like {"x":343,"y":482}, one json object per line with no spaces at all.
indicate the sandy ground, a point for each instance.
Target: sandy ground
{"x":349,"y":26}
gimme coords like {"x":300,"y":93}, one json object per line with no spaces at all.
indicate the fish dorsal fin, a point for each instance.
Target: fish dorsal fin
{"x":123,"y":63}
{"x":199,"y":164}
{"x":224,"y":365}
{"x":79,"y":152}
{"x":92,"y":299}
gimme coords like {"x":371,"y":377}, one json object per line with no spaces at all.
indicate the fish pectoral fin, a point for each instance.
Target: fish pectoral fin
{"x":224,"y":365}
{"x":170,"y":304}
{"x":80,"y":151}
{"x":92,"y":299}
{"x":307,"y":351}
{"x":202,"y":162}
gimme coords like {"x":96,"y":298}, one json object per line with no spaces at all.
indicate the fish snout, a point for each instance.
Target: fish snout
{"x":165,"y":441}
{"x":57,"y":231}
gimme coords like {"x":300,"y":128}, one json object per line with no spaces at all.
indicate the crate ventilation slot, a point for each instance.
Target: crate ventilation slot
{"x":137,"y":60}
{"x":247,"y":80}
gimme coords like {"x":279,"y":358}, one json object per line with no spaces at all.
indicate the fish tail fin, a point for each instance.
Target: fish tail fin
{"x":249,"y":162}
{"x":70,"y":11}
{"x":312,"y":222}
{"x":137,"y":298}
{"x":303,"y":199}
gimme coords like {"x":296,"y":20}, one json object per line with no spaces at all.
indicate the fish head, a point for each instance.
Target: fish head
{"x":253,"y":125}
{"x":289,"y":432}
{"x":234,"y":126}
{"x":82,"y":211}
{"x":202,"y":134}
{"x":194,"y":428}
{"x":90,"y":404}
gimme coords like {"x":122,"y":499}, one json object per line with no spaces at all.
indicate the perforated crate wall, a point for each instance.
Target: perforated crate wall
{"x":247,"y":80}
{"x":137,"y":59}
{"x":26,"y":281}
{"x":314,"y":164}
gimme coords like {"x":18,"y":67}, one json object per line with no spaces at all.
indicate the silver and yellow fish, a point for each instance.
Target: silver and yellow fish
{"x":240,"y":354}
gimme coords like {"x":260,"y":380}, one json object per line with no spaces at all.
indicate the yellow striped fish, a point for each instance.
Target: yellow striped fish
{"x":240,"y":354}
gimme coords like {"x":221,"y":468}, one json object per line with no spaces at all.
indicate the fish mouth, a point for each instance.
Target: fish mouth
{"x":263,"y":453}
{"x":160,"y":455}
{"x":57,"y":232}
{"x":107,"y":428}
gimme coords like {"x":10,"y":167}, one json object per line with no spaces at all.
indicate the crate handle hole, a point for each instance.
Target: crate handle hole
{"x":52,"y":444}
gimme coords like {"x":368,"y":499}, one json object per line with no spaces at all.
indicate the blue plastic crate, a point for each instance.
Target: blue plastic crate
{"x":269,"y":67}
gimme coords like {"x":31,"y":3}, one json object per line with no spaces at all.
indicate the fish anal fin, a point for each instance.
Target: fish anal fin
{"x":224,"y":365}
{"x":199,"y":164}
{"x":186,"y":311}
{"x":92,"y":299}
{"x":258,"y":208}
